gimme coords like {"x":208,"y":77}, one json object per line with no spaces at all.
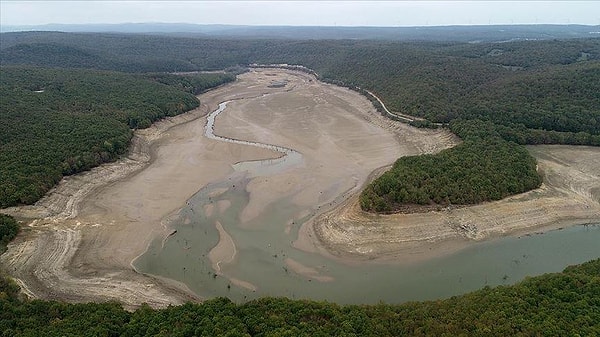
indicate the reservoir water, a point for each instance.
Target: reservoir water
{"x":263,"y":259}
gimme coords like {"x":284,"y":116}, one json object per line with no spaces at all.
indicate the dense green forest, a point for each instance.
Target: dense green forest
{"x":58,"y":122}
{"x":526,"y":92}
{"x":479,"y":169}
{"x":542,"y":87}
{"x":559,"y":304}
{"x":8,"y":230}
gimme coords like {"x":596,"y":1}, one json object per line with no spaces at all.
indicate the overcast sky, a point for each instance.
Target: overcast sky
{"x":322,"y":13}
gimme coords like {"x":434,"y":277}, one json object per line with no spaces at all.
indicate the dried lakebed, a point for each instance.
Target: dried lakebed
{"x":224,"y":217}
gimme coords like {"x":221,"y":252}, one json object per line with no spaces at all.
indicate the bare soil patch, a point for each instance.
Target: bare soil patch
{"x":84,"y":234}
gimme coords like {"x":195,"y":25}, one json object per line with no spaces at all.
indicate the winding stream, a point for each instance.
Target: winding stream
{"x":288,"y":159}
{"x":262,"y":261}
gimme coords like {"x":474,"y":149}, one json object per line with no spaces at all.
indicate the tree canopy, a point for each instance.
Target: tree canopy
{"x":8,"y":230}
{"x":475,"y":171}
{"x":559,"y":304}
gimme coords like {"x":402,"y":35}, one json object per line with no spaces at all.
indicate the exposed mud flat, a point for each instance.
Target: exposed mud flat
{"x":41,"y":258}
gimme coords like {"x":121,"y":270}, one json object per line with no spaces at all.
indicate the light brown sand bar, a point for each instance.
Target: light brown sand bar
{"x":307,"y":272}
{"x":224,"y":252}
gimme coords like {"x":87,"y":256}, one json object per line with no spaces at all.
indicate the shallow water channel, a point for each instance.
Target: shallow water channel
{"x":259,"y":265}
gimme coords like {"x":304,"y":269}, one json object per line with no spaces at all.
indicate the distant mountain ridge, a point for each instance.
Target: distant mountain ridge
{"x":480,"y":33}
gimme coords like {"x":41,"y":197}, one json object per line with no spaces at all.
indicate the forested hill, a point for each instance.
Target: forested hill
{"x":561,"y":304}
{"x":524,"y":85}
{"x":58,"y":122}
{"x":536,"y":87}
{"x":470,"y":33}
{"x":480,"y":169}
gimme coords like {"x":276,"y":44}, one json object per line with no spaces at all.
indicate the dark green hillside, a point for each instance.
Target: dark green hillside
{"x":533,"y":54}
{"x":192,"y":83}
{"x":475,"y":171}
{"x":509,"y":82}
{"x":558,"y":98}
{"x":8,"y":230}
{"x":58,"y":122}
{"x":444,"y":82}
{"x":560,"y":304}
{"x":122,"y":52}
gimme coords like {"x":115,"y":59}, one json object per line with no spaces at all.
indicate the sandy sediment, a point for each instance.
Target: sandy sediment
{"x":242,"y":284}
{"x":223,"y":205}
{"x":86,"y":232}
{"x":308,"y":272}
{"x":41,"y":258}
{"x":340,"y":135}
{"x":224,"y":252}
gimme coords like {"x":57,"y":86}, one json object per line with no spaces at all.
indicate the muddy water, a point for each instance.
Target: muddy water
{"x":263,"y":262}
